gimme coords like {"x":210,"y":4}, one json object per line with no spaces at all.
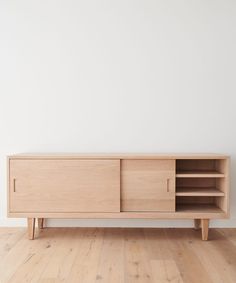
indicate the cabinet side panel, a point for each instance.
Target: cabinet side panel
{"x":8,"y":185}
{"x":223,"y":184}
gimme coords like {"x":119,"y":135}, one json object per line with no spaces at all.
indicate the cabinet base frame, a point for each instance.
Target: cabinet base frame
{"x":198,"y":223}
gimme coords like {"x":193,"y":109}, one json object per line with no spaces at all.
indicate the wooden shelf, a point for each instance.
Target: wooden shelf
{"x":199,"y":174}
{"x":182,"y":191}
{"x":196,"y":208}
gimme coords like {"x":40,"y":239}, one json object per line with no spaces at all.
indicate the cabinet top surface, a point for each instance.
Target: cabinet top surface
{"x":118,"y":156}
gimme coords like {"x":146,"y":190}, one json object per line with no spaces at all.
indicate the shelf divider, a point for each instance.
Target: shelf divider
{"x":198,"y":191}
{"x":199,"y":174}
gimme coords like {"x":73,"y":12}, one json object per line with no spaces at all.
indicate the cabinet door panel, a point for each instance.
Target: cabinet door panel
{"x":148,"y":185}
{"x":64,"y":186}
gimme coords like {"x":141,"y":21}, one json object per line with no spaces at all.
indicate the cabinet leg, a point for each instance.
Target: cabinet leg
{"x":197,"y":224}
{"x":40,"y":223}
{"x":205,"y":228}
{"x":31,"y":228}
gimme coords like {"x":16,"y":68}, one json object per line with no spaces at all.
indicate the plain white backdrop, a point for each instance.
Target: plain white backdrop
{"x":117,"y":76}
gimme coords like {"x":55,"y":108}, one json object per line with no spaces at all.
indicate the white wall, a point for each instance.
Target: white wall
{"x":117,"y":76}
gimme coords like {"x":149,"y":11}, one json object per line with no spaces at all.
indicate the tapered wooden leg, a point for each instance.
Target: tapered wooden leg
{"x":40,"y":223}
{"x":197,"y":224}
{"x":205,"y":228}
{"x":31,"y":228}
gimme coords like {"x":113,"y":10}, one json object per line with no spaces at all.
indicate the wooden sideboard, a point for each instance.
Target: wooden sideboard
{"x":134,"y":186}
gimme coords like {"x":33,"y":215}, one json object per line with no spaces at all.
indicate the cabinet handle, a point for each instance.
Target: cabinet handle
{"x":167,"y":185}
{"x":14,"y":185}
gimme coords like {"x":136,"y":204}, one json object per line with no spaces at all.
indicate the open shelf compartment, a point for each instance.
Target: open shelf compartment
{"x":202,"y":185}
{"x":198,"y":208}
{"x":199,"y":168}
{"x":199,"y":187}
{"x":199,"y":203}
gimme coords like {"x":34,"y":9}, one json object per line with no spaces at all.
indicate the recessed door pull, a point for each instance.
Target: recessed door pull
{"x":167,"y":183}
{"x":14,"y":185}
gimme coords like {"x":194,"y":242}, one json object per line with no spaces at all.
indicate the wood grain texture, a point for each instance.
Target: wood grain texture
{"x":205,"y":229}
{"x":224,"y":184}
{"x":183,"y":211}
{"x":199,"y":174}
{"x":118,"y":156}
{"x":117,"y":255}
{"x":31,"y":228}
{"x":148,"y":185}
{"x":199,"y":192}
{"x":119,"y":186}
{"x":64,"y":185}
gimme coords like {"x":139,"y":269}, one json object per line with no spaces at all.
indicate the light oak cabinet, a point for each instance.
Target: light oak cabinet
{"x":141,"y":186}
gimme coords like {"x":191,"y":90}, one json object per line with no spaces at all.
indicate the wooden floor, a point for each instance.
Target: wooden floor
{"x":117,"y":255}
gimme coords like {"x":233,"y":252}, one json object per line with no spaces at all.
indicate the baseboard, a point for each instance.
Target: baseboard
{"x":138,"y":223}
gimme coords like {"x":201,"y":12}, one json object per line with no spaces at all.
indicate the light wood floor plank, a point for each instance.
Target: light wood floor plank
{"x":111,"y":262}
{"x":229,"y":234}
{"x":137,"y":265}
{"x":165,"y":271}
{"x":52,"y":269}
{"x":202,"y":252}
{"x":157,"y":245}
{"x":223,"y":254}
{"x":186,"y":260}
{"x":14,"y":258}
{"x":84,"y":268}
{"x":164,"y":268}
{"x":9,"y":240}
{"x":60,"y":264}
{"x":38,"y":256}
{"x":93,"y":255}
